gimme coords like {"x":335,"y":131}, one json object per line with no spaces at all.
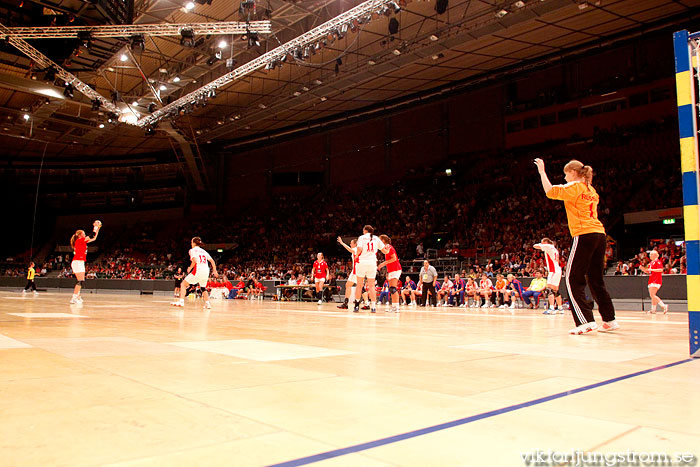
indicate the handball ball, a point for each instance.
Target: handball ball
{"x":97,"y":224}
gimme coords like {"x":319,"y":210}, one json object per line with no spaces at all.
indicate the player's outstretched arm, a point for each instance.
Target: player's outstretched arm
{"x":340,"y":240}
{"x":546,"y":184}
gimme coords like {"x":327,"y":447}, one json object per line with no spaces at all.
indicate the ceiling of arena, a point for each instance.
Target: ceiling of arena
{"x":430,"y":50}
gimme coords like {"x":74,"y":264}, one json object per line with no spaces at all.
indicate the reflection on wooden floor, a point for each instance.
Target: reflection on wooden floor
{"x":130,"y":380}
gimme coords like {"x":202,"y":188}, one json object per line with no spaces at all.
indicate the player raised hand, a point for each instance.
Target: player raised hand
{"x":540,"y":165}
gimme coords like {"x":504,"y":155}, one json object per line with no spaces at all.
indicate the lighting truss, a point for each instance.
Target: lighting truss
{"x":362,"y":12}
{"x":124,"y":31}
{"x":45,"y":62}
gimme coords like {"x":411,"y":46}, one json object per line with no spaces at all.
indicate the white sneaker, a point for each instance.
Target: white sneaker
{"x":320,"y":301}
{"x":609,"y":326}
{"x":207,"y":305}
{"x":178,"y":303}
{"x":502,"y":306}
{"x":24,"y":292}
{"x":36,"y":293}
{"x":512,"y":305}
{"x":74,"y":300}
{"x":584,"y":328}
{"x":483,"y":306}
{"x":665,"y":307}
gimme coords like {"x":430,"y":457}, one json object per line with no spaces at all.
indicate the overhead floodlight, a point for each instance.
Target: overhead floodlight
{"x":162,"y":87}
{"x":134,"y":103}
{"x":101,"y":125}
{"x":187,"y":38}
{"x":433,"y":37}
{"x":189,"y":6}
{"x":176,"y":79}
{"x":26,"y":116}
{"x":396,"y":52}
{"x":501,"y":13}
{"x":222,"y":44}
{"x":519,"y":4}
{"x":123,"y":58}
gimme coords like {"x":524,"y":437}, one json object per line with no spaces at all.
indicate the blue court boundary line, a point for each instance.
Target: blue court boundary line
{"x":462,"y":421}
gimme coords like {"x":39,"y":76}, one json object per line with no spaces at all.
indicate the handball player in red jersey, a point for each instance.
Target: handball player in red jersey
{"x":655,"y":270}
{"x":393,"y":269}
{"x":79,"y":243}
{"x":320,"y":276}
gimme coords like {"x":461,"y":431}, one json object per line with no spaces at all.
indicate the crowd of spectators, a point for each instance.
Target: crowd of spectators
{"x":488,"y":213}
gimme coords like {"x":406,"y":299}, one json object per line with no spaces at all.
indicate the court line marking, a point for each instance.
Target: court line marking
{"x":462,"y":421}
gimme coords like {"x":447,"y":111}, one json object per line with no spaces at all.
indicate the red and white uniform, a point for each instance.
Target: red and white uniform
{"x":655,"y":277}
{"x":393,"y":269}
{"x":470,"y":288}
{"x":370,"y":245}
{"x":79,"y":255}
{"x":320,"y":271}
{"x":552,"y":259}
{"x":352,"y":277}
{"x":200,"y":271}
{"x":485,"y":285}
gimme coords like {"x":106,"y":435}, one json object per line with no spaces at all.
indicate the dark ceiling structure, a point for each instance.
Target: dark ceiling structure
{"x":427,"y":45}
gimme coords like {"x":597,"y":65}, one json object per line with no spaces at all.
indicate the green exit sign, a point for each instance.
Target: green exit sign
{"x":669,"y":221}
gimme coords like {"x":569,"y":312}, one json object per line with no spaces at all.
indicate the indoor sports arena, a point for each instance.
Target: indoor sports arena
{"x":344,"y":232}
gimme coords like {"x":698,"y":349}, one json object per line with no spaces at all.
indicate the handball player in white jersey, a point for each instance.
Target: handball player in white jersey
{"x":553,"y":277}
{"x":368,"y":245}
{"x":352,"y":277}
{"x":197,"y":273}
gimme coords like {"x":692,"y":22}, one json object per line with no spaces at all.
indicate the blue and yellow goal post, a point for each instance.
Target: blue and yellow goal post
{"x":687,"y":48}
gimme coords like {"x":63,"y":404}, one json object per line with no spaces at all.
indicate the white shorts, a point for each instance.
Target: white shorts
{"x":366,"y":270}
{"x":655,"y":285}
{"x":321,"y":280}
{"x":352,"y":278}
{"x":554,"y":279}
{"x":200,"y":278}
{"x":394,"y":275}
{"x":78,"y":266}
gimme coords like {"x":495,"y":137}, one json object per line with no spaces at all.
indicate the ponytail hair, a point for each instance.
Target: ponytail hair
{"x":75,"y":236}
{"x":547,"y":240}
{"x":197,"y":241}
{"x":369,"y":229}
{"x":385,"y":239}
{"x":584,"y":172}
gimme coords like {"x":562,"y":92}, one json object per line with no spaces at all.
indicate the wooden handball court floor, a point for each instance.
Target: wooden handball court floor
{"x":130,"y":380}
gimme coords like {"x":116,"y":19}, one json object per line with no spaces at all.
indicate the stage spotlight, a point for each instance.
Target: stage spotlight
{"x":26,"y":117}
{"x":96,"y":104}
{"x":138,"y":43}
{"x":441,"y":6}
{"x":150,"y":131}
{"x":231,"y":63}
{"x":187,"y":38}
{"x":123,"y":58}
{"x":85,"y":38}
{"x":342,"y":31}
{"x":151,"y":107}
{"x":51,"y":75}
{"x":519,"y":4}
{"x":393,"y":26}
{"x":253,"y":40}
{"x":501,"y":13}
{"x":222,"y":44}
{"x":189,"y":6}
{"x":68,"y":91}
{"x":211,"y":61}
